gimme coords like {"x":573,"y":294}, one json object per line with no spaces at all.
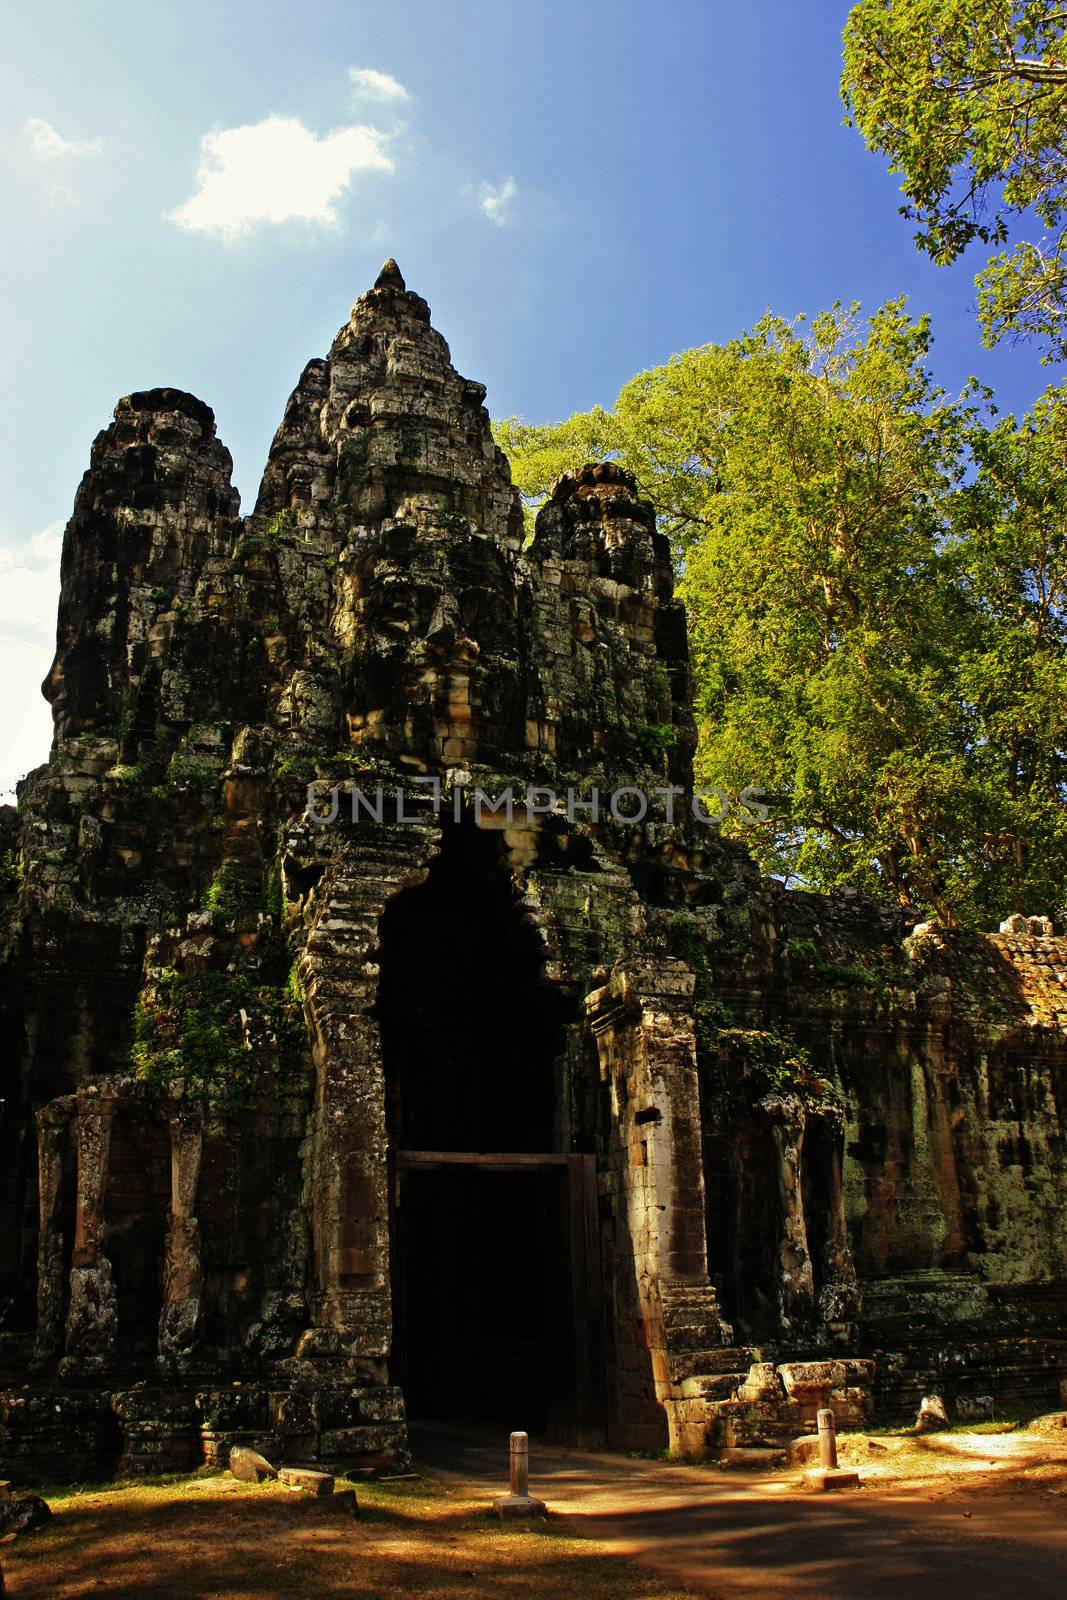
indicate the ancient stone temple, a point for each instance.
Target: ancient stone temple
{"x":388,"y":1034}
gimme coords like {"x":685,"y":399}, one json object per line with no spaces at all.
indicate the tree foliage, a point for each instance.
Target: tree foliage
{"x":875,"y":582}
{"x":968,"y":99}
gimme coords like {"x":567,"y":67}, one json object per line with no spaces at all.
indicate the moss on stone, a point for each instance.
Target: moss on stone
{"x":768,"y":1063}
{"x":10,"y":872}
{"x":191,"y":1037}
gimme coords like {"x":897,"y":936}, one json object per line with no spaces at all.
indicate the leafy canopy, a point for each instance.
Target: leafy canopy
{"x":968,"y":99}
{"x":875,"y":585}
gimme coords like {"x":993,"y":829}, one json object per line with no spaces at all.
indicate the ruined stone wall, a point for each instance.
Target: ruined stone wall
{"x":940,"y":1055}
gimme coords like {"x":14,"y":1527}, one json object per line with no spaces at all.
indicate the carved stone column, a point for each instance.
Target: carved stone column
{"x":182,"y":1314}
{"x":643,"y":1027}
{"x":53,"y":1122}
{"x":796,"y":1289}
{"x":92,"y":1316}
{"x":839,"y":1293}
{"x":349,"y":1190}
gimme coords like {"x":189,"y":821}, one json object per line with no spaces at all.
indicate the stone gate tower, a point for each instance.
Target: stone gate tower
{"x":362,"y":1057}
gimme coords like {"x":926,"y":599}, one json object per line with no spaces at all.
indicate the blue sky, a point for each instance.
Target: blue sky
{"x":195,"y":193}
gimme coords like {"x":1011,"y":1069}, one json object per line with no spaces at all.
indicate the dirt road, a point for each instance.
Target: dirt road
{"x":965,"y":1517}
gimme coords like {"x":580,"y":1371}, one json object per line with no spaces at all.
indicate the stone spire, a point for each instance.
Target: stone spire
{"x":390,"y":277}
{"x":385,"y":427}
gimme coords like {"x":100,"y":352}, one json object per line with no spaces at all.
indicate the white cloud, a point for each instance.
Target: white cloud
{"x":371,"y":85}
{"x":29,"y":595}
{"x":47,"y":145}
{"x":25,"y":715}
{"x":29,"y":584}
{"x":496,"y":202}
{"x":274,"y":171}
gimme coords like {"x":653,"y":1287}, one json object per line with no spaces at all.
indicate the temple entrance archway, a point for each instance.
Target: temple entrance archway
{"x":497,"y":1311}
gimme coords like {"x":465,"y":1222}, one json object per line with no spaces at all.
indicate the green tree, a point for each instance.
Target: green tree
{"x":968,"y":99}
{"x":1009,"y":550}
{"x":858,"y":552}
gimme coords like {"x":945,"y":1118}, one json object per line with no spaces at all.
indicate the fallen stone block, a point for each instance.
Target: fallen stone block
{"x":249,"y":1465}
{"x":307,"y":1481}
{"x":933,"y":1416}
{"x":752,"y":1457}
{"x":1054,"y":1422}
{"x":23,"y":1515}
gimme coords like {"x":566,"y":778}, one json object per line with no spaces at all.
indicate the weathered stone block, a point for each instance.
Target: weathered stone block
{"x":249,"y":1465}
{"x":317,"y":1485}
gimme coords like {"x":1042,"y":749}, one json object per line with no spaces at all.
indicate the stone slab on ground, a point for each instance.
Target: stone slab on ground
{"x":753,"y":1458}
{"x":23,"y":1515}
{"x":307,"y":1481}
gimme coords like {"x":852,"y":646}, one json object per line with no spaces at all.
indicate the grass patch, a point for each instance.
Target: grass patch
{"x":209,"y":1536}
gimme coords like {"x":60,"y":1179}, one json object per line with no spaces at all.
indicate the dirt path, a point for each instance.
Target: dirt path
{"x":967,"y":1517}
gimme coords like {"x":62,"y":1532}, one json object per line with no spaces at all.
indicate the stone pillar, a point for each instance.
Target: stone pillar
{"x":53,"y":1122}
{"x":796,"y":1289}
{"x":92,"y":1316}
{"x":352,"y":1299}
{"x":180,"y":1319}
{"x":643,"y":1027}
{"x":839,"y":1292}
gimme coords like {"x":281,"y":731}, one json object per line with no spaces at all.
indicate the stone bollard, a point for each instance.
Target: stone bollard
{"x":828,"y":1475}
{"x":519,"y":1464}
{"x":518,"y":1502}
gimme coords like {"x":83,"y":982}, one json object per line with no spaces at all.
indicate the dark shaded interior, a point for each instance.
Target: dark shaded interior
{"x":469,"y":1036}
{"x":817,"y":1177}
{"x":744,"y":1226}
{"x":137,"y":1204}
{"x":484,"y":1300}
{"x":469,"y":1031}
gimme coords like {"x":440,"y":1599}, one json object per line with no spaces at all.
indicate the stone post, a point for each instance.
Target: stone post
{"x":53,"y":1122}
{"x":828,"y":1475}
{"x":92,"y":1317}
{"x":519,"y":1464}
{"x":518,"y":1502}
{"x":179,"y":1322}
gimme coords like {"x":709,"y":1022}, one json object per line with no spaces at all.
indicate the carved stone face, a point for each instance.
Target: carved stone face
{"x":420,"y":609}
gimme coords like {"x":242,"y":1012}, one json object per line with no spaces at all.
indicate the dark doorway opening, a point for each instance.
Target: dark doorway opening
{"x":818,"y":1193}
{"x":469,"y":1029}
{"x":493,"y":1256}
{"x":137,"y":1206}
{"x":483,"y":1283}
{"x":745,"y":1226}
{"x":499,"y":1303}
